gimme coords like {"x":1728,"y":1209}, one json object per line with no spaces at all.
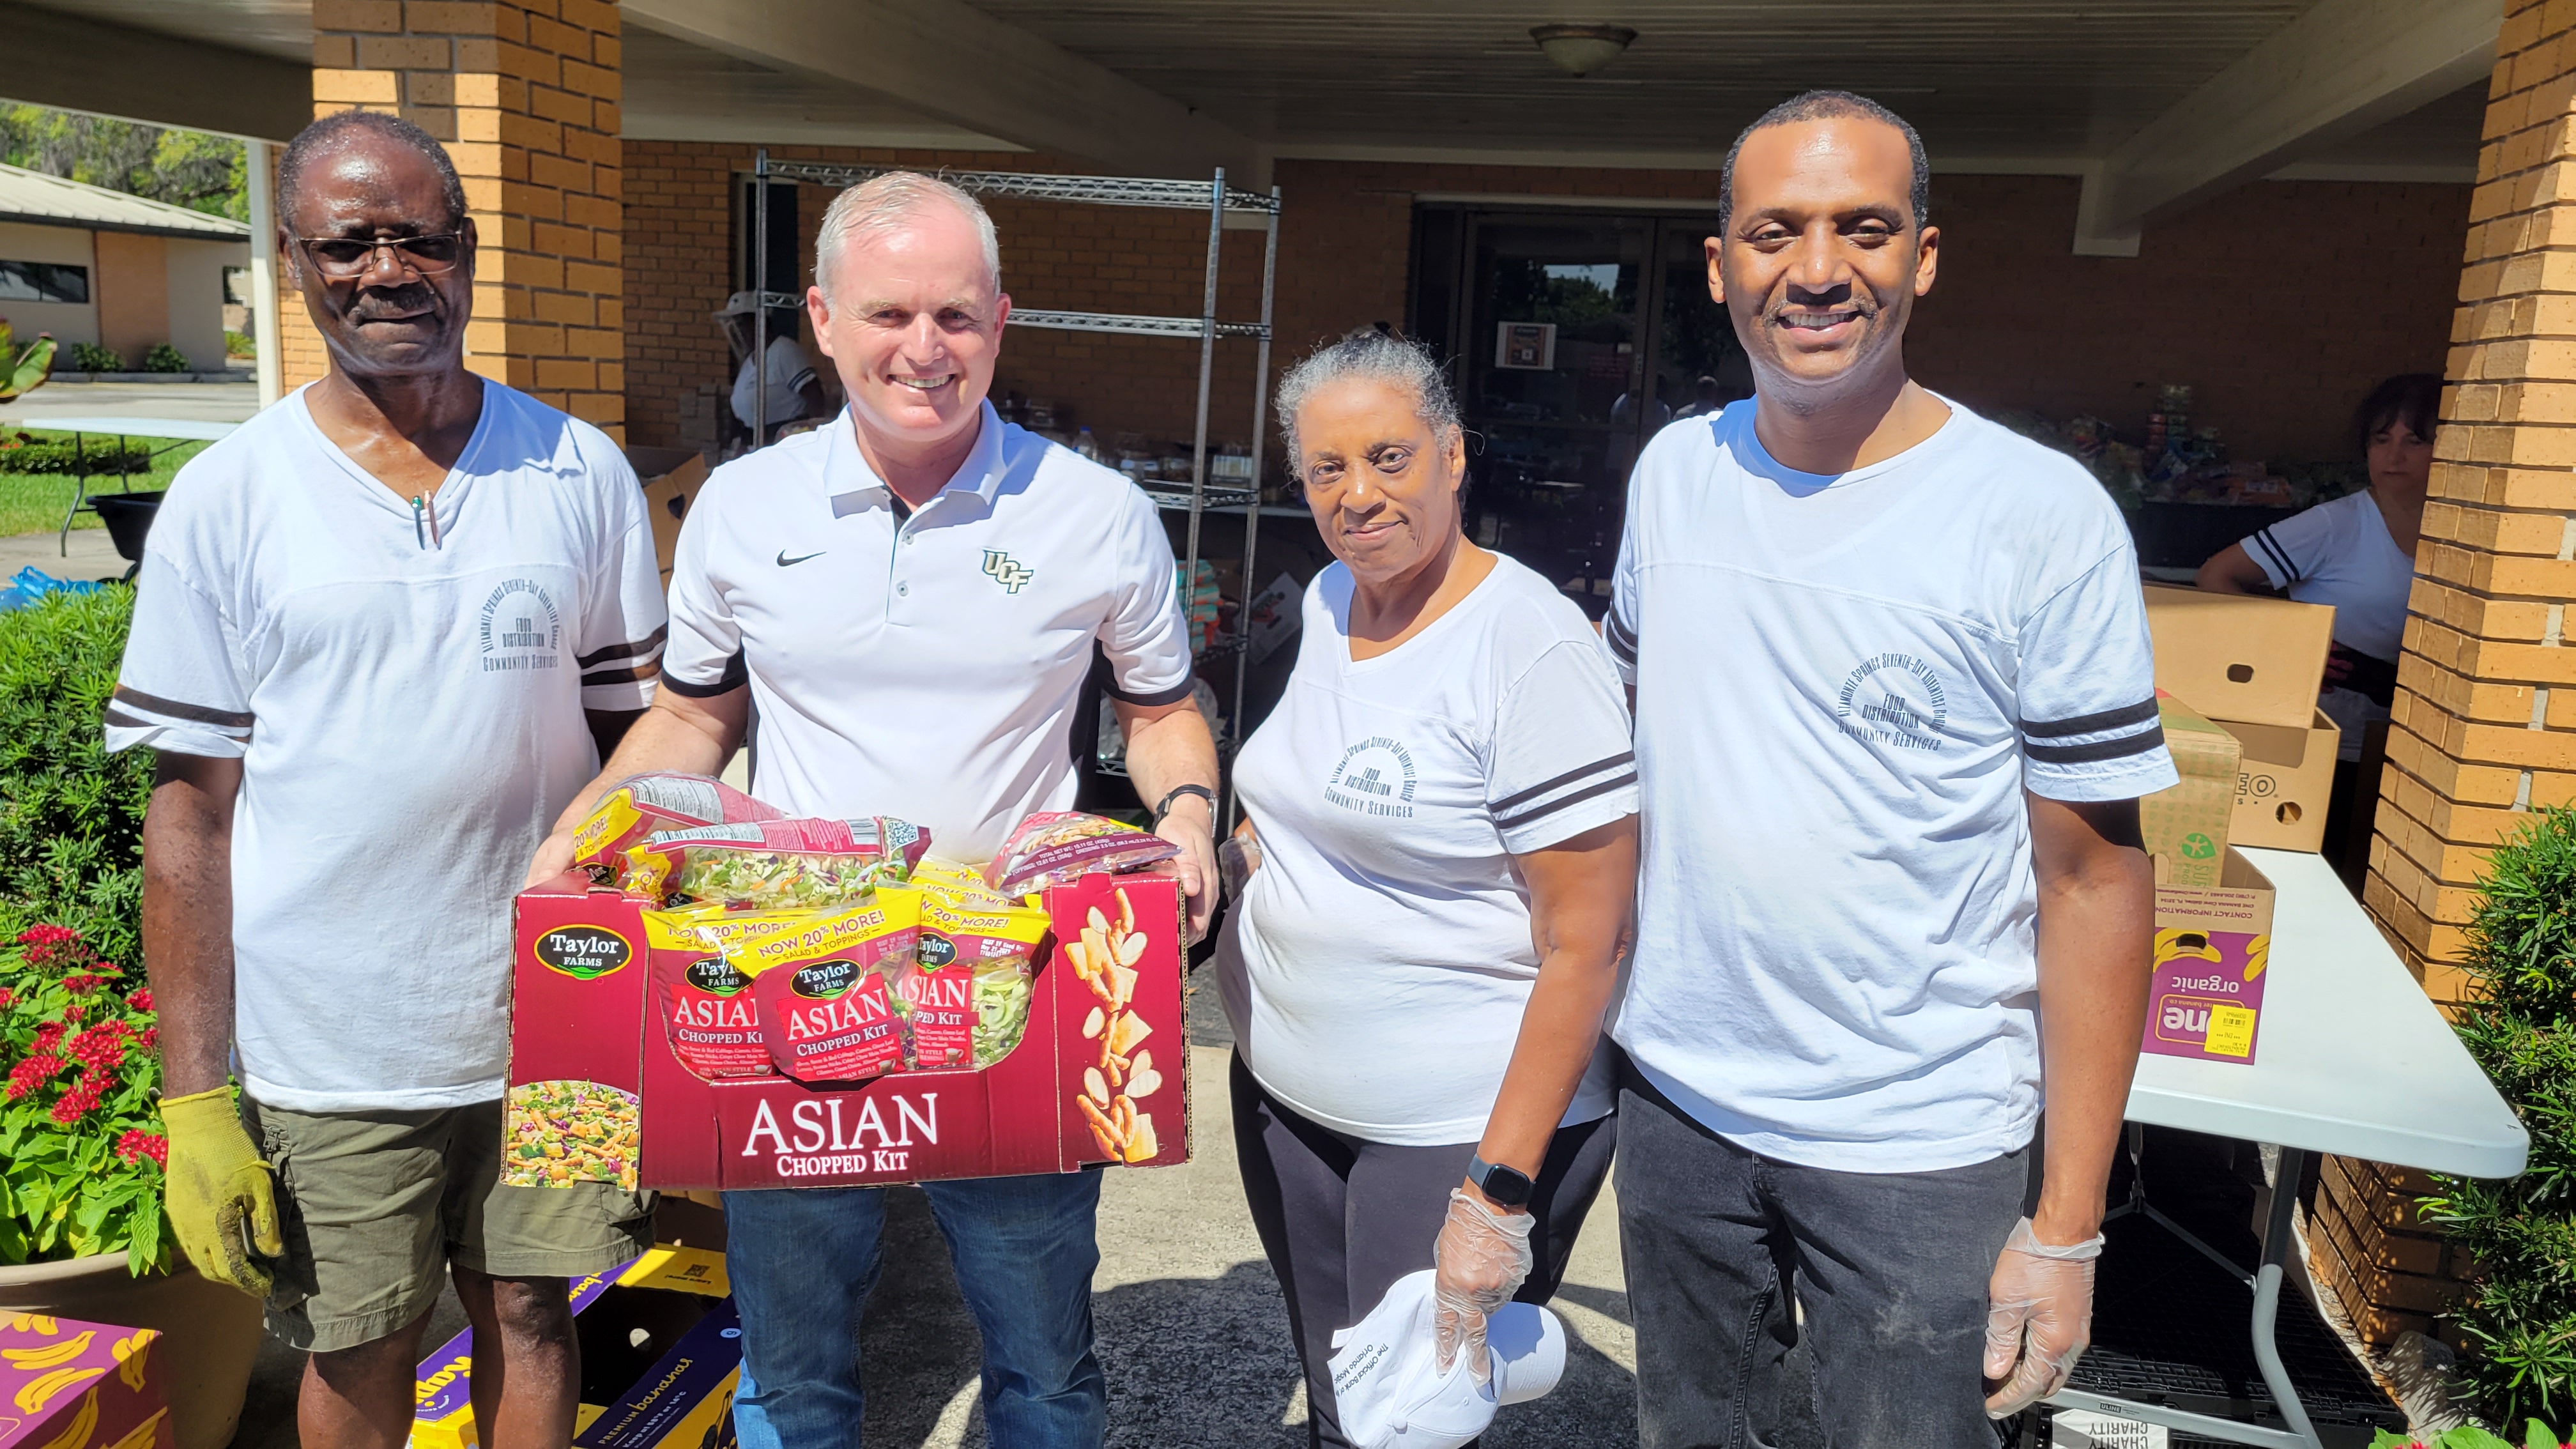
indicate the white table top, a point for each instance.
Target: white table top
{"x":186,"y":428}
{"x":2351,"y":1058}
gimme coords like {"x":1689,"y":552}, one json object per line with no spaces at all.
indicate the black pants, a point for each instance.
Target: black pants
{"x":1342,"y":1218}
{"x":1889,"y":1270}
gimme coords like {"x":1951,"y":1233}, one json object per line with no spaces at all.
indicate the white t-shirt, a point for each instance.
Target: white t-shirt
{"x":926,"y":668}
{"x":2339,"y":553}
{"x":407,"y":708}
{"x":1844,"y":686}
{"x":789,"y":369}
{"x":1378,"y":965}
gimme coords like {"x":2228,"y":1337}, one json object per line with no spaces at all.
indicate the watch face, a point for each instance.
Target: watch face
{"x":1505,"y":1185}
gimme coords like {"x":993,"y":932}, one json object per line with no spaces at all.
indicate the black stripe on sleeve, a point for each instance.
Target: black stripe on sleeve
{"x":2280,"y":557}
{"x":197,"y":713}
{"x":622,"y":676}
{"x":123,"y":719}
{"x":1623,"y":641}
{"x":2125,"y":717}
{"x":734,"y":676}
{"x":1155,"y":700}
{"x":2098,"y":750}
{"x":1536,"y":813}
{"x":645,"y":645}
{"x":1500,"y":807}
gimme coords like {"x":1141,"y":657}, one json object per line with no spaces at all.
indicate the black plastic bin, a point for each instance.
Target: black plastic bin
{"x":128,"y":517}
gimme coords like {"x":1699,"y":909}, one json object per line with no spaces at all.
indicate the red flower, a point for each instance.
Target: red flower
{"x":100,"y":1047}
{"x":31,"y":1073}
{"x":47,"y":1037}
{"x":9,"y":998}
{"x":47,"y":935}
{"x":137,"y":1143}
{"x":82,"y":983}
{"x":141,"y":999}
{"x":75,"y":1012}
{"x":150,"y":1037}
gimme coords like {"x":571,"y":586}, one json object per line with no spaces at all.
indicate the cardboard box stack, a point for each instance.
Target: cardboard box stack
{"x":2236,"y":686}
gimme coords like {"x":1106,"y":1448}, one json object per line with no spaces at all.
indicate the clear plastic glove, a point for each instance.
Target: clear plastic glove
{"x":2039,"y":1317}
{"x":1483,"y":1258}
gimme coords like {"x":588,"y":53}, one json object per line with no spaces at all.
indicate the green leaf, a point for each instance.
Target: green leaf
{"x":2471,"y":1437}
{"x":2537,"y":1435}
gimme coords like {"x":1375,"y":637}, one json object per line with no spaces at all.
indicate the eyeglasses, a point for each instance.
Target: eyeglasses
{"x":345,"y":257}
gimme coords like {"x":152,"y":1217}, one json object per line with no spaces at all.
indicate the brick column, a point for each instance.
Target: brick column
{"x":2485,"y":717}
{"x":525,"y":94}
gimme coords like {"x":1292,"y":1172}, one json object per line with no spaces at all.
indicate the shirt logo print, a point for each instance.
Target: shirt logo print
{"x":1894,"y":699}
{"x":1007,"y":571}
{"x":1374,"y":777}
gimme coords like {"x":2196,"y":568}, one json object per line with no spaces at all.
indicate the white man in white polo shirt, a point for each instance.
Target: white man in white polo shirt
{"x":907,"y":604}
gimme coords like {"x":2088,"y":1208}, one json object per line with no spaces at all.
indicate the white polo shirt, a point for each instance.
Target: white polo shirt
{"x":928,"y":667}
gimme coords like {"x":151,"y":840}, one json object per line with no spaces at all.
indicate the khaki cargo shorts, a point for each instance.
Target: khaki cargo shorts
{"x":375,"y":1205}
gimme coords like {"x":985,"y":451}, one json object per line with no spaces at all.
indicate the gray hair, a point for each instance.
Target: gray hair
{"x":1372,"y":356}
{"x":882,"y":205}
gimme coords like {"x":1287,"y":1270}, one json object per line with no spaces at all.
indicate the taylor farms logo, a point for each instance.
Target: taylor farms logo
{"x":1374,"y":777}
{"x":934,"y":950}
{"x":1007,"y":571}
{"x":824,"y":980}
{"x":1894,"y":699}
{"x":520,"y":628}
{"x":583,"y":953}
{"x":716,"y":977}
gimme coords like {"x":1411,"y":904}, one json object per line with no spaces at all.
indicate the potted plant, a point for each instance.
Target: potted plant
{"x":82,"y":1230}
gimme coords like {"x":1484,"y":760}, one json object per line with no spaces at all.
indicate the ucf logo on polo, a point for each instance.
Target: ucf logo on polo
{"x":1007,"y":571}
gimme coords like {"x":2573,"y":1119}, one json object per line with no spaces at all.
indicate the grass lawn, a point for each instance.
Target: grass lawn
{"x":34,"y":502}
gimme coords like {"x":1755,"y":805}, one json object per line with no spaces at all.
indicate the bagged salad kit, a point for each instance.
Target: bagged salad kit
{"x":718,"y":996}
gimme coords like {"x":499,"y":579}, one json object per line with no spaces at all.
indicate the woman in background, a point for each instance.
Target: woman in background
{"x":2356,"y":553}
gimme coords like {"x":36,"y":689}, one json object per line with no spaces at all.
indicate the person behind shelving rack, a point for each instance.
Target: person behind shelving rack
{"x":1895,"y":707}
{"x":2356,"y":553}
{"x":795,"y":389}
{"x":899,"y":610}
{"x":1443,"y":807}
{"x":381,"y":635}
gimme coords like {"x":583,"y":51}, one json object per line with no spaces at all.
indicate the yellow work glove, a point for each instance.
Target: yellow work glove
{"x":218,"y":1191}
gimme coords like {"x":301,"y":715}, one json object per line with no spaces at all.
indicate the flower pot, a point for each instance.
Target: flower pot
{"x":209,"y":1333}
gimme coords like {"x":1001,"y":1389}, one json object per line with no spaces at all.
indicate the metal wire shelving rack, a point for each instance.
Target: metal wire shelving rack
{"x":1215,"y":199}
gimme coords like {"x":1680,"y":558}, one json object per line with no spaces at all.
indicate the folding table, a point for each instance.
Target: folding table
{"x":2351,"y":1058}
{"x":185,"y":430}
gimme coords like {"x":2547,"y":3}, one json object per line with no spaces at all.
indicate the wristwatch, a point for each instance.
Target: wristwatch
{"x":1505,"y":1186}
{"x":1163,"y":806}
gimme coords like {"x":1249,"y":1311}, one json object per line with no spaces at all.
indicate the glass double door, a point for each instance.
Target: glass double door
{"x":1572,"y":339}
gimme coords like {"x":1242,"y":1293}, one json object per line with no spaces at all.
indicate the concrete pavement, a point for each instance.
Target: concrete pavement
{"x":206,"y":402}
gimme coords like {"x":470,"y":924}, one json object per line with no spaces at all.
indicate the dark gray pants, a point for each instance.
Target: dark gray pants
{"x":1889,"y":1270}
{"x":1342,"y":1218}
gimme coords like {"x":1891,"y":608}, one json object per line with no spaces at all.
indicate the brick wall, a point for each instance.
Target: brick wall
{"x":525,"y":95}
{"x":2485,"y":718}
{"x":680,"y":268}
{"x":2016,"y":319}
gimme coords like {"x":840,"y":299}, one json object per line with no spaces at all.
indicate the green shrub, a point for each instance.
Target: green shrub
{"x":2520,"y":1317}
{"x":90,"y":357}
{"x":165,"y":358}
{"x":71,"y":815}
{"x":240,"y":344}
{"x":22,"y":453}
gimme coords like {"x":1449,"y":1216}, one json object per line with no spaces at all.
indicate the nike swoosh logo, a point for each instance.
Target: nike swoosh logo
{"x":784,"y":560}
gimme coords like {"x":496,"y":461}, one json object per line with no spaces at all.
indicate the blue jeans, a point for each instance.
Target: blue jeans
{"x":802,"y":1261}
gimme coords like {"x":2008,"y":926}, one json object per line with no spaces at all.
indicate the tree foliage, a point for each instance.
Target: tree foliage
{"x":185,"y":168}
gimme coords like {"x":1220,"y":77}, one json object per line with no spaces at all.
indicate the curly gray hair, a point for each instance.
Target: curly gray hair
{"x":1375,"y":356}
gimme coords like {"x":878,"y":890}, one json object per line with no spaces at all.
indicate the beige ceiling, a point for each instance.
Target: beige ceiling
{"x":2014,"y":81}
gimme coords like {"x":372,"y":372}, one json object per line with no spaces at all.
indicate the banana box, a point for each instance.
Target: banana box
{"x":2213,"y":943}
{"x":627,"y":1321}
{"x":65,"y":1384}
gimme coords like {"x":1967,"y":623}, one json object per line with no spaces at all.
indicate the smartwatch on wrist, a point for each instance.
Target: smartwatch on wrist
{"x":1505,"y":1186}
{"x":1163,"y":806}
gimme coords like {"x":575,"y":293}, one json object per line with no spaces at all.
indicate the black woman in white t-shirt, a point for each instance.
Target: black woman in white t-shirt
{"x":2356,"y":553}
{"x":1444,"y":809}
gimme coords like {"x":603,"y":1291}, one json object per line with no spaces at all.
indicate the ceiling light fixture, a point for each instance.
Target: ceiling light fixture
{"x":1580,"y":50}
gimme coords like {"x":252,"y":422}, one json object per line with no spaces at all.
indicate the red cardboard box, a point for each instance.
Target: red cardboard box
{"x":592,"y":1072}
{"x":80,"y":1385}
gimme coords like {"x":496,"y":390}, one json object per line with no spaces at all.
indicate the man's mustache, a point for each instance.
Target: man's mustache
{"x":378,"y":303}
